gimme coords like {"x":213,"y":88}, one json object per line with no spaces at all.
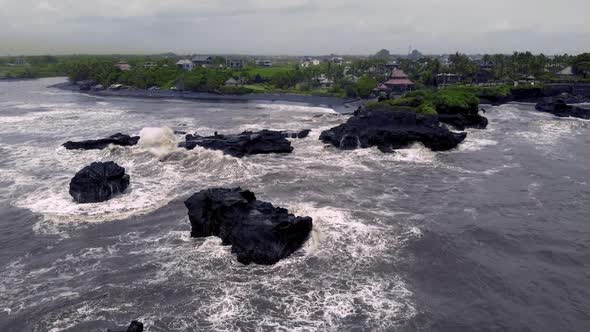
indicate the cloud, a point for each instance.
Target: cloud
{"x":292,"y":26}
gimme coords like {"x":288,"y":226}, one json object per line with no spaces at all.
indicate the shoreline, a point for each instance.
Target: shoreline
{"x":339,"y":105}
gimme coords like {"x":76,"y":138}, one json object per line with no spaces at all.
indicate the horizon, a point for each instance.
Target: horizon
{"x":262,"y":27}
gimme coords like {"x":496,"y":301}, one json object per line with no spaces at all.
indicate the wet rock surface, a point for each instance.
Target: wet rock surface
{"x":98,"y":144}
{"x":462,"y":121}
{"x":135,"y":326}
{"x":240,"y":145}
{"x":257,"y":231}
{"x":559,"y":107}
{"x":390,"y":130}
{"x":98,"y":182}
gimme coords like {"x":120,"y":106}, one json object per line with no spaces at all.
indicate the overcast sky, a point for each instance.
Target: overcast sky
{"x":293,"y":26}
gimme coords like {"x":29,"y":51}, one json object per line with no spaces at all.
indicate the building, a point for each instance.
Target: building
{"x":122,"y":65}
{"x":323,"y":82}
{"x":566,"y":72}
{"x":392,"y":65}
{"x":236,"y":64}
{"x":308,"y":62}
{"x":448,"y":79}
{"x":232,"y":82}
{"x":337,"y":60}
{"x":150,"y":64}
{"x":398,"y":82}
{"x":185,"y":64}
{"x":202,"y":60}
{"x":264,"y":63}
{"x":20,"y":62}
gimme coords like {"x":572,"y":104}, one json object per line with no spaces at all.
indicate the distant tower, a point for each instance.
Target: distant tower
{"x":410,"y":49}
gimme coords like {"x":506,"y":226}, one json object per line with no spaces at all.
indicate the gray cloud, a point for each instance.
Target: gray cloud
{"x":293,"y":26}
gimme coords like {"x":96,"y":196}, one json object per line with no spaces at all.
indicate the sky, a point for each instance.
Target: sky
{"x":293,"y":27}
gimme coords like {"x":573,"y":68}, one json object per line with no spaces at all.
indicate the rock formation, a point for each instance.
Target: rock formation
{"x":257,"y":231}
{"x":98,"y":182}
{"x":97,"y":144}
{"x":558,"y":107}
{"x":240,"y":145}
{"x":389,"y":130}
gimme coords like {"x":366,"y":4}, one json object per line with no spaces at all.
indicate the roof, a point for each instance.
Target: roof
{"x":231,"y":81}
{"x":398,"y":81}
{"x":201,"y":58}
{"x":184,"y":62}
{"x":566,"y":71}
{"x":398,"y":73}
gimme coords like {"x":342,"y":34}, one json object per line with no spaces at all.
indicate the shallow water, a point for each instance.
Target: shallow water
{"x":491,"y":236}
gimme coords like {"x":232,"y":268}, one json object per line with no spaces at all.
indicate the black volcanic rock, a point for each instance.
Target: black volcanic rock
{"x":558,"y":107}
{"x":240,"y":145}
{"x":98,"y":182}
{"x":389,"y":130}
{"x":462,"y":121}
{"x":97,"y":144}
{"x":135,"y":326}
{"x":258,"y":232}
{"x":297,"y":134}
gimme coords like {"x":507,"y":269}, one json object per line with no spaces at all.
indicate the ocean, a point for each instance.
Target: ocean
{"x":491,"y":236}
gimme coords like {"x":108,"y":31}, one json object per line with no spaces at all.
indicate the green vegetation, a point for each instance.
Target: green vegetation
{"x":430,"y":102}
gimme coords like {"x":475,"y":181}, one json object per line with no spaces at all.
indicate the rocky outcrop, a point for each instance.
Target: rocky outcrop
{"x":97,"y":144}
{"x":135,"y":326}
{"x":296,"y":134}
{"x":389,"y":130}
{"x":257,"y":231}
{"x":240,"y":145}
{"x":559,"y":107}
{"x":98,"y":182}
{"x":462,"y":121}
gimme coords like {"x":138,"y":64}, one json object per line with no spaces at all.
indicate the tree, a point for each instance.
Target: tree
{"x":364,"y":86}
{"x":581,"y":65}
{"x":382,"y":54}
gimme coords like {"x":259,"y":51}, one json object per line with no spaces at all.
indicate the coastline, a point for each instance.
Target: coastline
{"x":339,"y":105}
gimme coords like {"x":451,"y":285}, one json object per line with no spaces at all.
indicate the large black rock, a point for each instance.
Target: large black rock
{"x":246,"y":143}
{"x":462,"y":121}
{"x":97,"y":144}
{"x":258,"y":232}
{"x":389,"y":130}
{"x":98,"y":182}
{"x":558,"y":107}
{"x":135,"y":326}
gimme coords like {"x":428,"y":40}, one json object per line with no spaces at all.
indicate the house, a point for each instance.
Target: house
{"x":202,"y":60}
{"x":337,"y":60}
{"x":323,"y":82}
{"x":234,"y":63}
{"x":392,"y":65}
{"x":185,"y":64}
{"x":264,"y":63}
{"x":308,"y":62}
{"x":448,"y":79}
{"x":122,"y":65}
{"x":566,"y":72}
{"x":150,"y":64}
{"x":232,"y":82}
{"x":397,"y":82}
{"x":20,"y":62}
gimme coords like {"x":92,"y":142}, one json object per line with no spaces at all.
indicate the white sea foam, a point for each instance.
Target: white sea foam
{"x":160,"y":142}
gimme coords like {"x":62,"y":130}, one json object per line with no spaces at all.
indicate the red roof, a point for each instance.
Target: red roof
{"x":398,"y":73}
{"x":398,"y":81}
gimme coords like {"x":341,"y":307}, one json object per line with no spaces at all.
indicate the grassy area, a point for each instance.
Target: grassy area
{"x":267,"y":72}
{"x":446,"y":101}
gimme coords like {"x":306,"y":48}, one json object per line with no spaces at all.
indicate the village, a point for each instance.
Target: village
{"x":382,"y":75}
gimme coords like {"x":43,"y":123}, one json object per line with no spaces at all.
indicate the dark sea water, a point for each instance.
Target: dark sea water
{"x":492,"y":236}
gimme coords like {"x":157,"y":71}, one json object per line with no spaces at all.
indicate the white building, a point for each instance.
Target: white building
{"x":185,"y":65}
